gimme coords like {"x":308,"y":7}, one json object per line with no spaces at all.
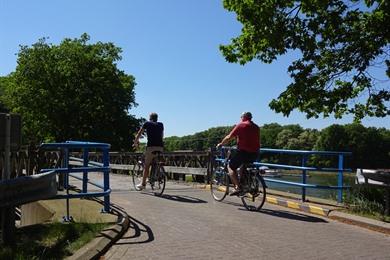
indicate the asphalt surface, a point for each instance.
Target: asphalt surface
{"x":186,"y":223}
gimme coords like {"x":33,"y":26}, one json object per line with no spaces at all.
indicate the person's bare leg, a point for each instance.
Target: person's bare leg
{"x":146,"y":174}
{"x":233,"y":177}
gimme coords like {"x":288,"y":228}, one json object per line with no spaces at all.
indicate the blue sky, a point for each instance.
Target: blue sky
{"x":171,"y":48}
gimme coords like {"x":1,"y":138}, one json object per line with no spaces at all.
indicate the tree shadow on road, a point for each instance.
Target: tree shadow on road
{"x":291,"y":215}
{"x":142,"y":233}
{"x":179,"y":198}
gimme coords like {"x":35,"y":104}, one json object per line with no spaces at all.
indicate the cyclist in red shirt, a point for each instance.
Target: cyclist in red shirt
{"x":247,"y":134}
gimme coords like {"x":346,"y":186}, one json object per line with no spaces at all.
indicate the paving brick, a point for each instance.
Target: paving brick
{"x":188,"y":224}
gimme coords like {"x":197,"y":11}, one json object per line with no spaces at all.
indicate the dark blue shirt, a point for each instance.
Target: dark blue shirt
{"x":154,"y":131}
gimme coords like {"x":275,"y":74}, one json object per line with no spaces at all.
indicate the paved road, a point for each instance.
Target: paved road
{"x":188,"y":224}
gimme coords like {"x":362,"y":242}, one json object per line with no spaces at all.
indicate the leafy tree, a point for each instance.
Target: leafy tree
{"x":201,"y":141}
{"x":305,"y":140}
{"x":268,"y":134}
{"x":370,"y":147}
{"x":338,"y":42}
{"x":72,"y":91}
{"x":3,"y":83}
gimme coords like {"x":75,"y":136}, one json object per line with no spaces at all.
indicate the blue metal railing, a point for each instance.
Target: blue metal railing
{"x":305,"y":168}
{"x":66,"y":171}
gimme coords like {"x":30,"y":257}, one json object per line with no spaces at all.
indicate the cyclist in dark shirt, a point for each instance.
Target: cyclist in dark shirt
{"x":155,"y":133}
{"x":247,"y":134}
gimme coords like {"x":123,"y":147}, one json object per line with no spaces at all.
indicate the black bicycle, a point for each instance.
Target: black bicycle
{"x":157,"y":177}
{"x":253,"y":193}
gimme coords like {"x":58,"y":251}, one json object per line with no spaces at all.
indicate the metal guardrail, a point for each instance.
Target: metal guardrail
{"x":22,"y":190}
{"x":66,"y":170}
{"x":304,"y":168}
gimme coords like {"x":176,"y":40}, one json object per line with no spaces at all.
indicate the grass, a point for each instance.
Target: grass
{"x":51,"y":241}
{"x":367,"y":201}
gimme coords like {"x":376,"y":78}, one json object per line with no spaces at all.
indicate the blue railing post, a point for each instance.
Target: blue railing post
{"x":304,"y":160}
{"x":106,"y":163}
{"x":340,"y":178}
{"x":66,"y":218}
{"x":85,"y":172}
{"x":65,"y":164}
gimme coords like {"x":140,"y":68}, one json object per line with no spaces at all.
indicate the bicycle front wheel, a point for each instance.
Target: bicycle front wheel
{"x":219,"y":183}
{"x":158,"y":180}
{"x":254,"y":198}
{"x":137,"y":174}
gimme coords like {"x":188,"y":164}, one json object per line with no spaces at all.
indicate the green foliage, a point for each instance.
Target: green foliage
{"x":268,"y":134}
{"x":72,"y":91}
{"x":366,"y":200}
{"x":338,"y":42}
{"x":51,"y":241}
{"x":370,"y":146}
{"x":201,"y":141}
{"x":3,"y":83}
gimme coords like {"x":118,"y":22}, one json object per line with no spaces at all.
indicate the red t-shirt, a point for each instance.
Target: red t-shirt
{"x":248,"y":136}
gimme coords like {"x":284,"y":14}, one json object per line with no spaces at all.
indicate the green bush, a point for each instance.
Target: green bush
{"x":366,"y":199}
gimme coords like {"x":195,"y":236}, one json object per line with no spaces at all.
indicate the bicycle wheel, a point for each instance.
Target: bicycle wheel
{"x":219,"y":183}
{"x":137,"y":174}
{"x":255,"y":196}
{"x":158,"y":179}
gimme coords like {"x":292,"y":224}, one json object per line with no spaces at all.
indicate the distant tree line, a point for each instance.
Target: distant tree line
{"x":370,"y":146}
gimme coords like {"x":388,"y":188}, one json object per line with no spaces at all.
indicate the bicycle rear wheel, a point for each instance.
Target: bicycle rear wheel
{"x":158,"y":180}
{"x":137,"y":174}
{"x":254,"y":198}
{"x":219,"y":183}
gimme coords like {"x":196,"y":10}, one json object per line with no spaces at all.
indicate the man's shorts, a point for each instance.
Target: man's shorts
{"x":149,"y":153}
{"x":241,"y":157}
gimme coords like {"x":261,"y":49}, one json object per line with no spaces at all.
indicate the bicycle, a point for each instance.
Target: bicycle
{"x":253,"y":193}
{"x":157,"y":177}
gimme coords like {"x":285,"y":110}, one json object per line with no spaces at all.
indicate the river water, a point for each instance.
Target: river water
{"x":329,"y":179}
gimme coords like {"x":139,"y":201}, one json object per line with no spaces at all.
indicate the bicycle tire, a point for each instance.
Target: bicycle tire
{"x":219,"y":183}
{"x":158,"y":180}
{"x":137,"y":174}
{"x":254,"y":199}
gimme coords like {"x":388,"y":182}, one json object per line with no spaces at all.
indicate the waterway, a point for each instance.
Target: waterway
{"x":321,"y":178}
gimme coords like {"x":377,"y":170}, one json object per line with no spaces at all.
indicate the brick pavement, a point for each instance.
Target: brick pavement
{"x":188,"y":224}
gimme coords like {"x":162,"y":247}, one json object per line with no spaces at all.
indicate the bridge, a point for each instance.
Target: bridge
{"x":186,"y":223}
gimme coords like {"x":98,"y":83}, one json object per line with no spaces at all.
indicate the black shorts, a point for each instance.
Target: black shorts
{"x":241,"y":157}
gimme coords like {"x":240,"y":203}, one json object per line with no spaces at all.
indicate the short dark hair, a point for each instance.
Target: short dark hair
{"x":247,"y":115}
{"x":153,"y":117}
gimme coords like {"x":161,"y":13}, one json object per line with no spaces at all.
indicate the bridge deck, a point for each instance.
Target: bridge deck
{"x":188,"y":224}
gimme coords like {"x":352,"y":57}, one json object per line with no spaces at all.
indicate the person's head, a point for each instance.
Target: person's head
{"x":153,"y":117}
{"x":245,"y":116}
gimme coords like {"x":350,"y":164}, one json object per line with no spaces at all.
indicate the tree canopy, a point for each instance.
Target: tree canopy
{"x":72,"y":91}
{"x":339,"y":42}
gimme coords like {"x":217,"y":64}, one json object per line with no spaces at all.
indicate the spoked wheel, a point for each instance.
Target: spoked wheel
{"x":158,"y":180}
{"x":254,"y":199}
{"x":219,"y":183}
{"x":137,"y":174}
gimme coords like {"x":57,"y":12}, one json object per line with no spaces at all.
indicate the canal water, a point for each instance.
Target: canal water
{"x":329,"y":179}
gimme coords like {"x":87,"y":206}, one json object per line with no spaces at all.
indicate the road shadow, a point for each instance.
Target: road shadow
{"x":179,"y":198}
{"x":140,"y":230}
{"x":279,"y":213}
{"x":291,"y":215}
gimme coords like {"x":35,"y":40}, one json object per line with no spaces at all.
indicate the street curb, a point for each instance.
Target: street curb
{"x":372,"y":224}
{"x":299,"y":206}
{"x":99,"y":245}
{"x":334,"y":214}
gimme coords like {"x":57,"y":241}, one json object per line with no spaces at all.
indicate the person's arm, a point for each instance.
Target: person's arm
{"x":137,"y":136}
{"x":227,"y":138}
